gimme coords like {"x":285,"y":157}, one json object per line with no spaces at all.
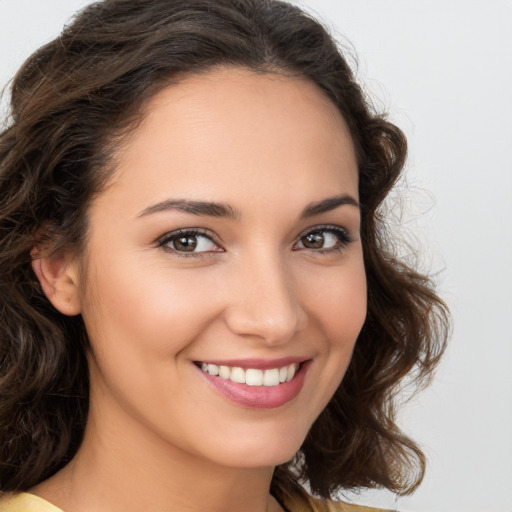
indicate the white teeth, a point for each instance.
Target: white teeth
{"x":237,"y":375}
{"x":271,"y":377}
{"x":253,"y":376}
{"x":291,"y":371}
{"x":224,"y":372}
{"x":213,"y":369}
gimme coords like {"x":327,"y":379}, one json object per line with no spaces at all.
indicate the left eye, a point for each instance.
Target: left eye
{"x":323,"y":239}
{"x":189,"y":242}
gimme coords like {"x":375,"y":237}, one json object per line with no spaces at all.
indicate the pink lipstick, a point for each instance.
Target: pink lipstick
{"x":256,"y":383}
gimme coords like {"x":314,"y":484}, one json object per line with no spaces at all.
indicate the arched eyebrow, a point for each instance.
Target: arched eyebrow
{"x":326,"y":205}
{"x":213,"y":209}
{"x":208,"y":208}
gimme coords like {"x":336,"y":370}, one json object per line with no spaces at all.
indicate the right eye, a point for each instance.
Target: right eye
{"x":188,"y":242}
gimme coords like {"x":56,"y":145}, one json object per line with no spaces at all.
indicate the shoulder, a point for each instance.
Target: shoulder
{"x":338,"y":506}
{"x":25,"y":502}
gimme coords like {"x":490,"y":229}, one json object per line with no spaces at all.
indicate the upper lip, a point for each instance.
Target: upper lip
{"x":259,"y":364}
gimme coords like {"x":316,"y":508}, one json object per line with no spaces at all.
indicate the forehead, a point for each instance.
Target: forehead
{"x":233,"y":131}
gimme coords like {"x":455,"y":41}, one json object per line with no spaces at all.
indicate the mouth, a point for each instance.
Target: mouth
{"x":256,"y":384}
{"x":251,"y":376}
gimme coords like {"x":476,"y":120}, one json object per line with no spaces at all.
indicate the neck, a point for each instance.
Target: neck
{"x":112,"y":473}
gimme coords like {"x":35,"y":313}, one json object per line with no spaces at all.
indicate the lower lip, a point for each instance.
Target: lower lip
{"x":259,"y":397}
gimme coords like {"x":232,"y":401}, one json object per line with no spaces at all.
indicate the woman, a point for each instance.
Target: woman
{"x":200,"y":309}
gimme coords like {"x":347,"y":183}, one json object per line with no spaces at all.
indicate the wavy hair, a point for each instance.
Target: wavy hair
{"x":71,"y":102}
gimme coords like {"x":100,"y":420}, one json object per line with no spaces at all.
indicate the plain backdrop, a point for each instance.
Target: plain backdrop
{"x":443,"y":69}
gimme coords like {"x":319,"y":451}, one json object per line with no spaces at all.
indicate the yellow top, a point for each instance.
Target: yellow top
{"x":25,"y":502}
{"x":335,"y":506}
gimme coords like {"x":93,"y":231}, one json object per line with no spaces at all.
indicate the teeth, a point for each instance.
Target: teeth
{"x":213,"y":369}
{"x":253,"y":376}
{"x":291,"y":372}
{"x":271,"y":377}
{"x":237,"y":375}
{"x":224,"y":372}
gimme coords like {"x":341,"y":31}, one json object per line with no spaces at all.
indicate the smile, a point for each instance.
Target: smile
{"x":256,"y":383}
{"x":252,"y":376}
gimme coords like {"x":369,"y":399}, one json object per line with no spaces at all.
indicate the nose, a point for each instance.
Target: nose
{"x":263,"y":303}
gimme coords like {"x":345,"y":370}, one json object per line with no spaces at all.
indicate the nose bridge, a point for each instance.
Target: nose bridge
{"x":264,"y":303}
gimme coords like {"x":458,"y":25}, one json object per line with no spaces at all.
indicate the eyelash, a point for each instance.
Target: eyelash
{"x":342,"y":235}
{"x":174,"y":235}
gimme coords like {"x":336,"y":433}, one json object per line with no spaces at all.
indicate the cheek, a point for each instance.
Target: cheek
{"x":151,"y":313}
{"x":138,"y":328}
{"x":345,"y":315}
{"x":337,"y":303}
{"x":336,"y":311}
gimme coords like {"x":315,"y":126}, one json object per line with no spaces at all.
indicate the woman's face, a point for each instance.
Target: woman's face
{"x":228,"y":242}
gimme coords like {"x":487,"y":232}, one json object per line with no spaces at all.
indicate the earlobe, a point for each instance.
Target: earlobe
{"x":58,"y":277}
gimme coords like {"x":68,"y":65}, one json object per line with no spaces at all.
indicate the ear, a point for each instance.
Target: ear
{"x":58,"y":275}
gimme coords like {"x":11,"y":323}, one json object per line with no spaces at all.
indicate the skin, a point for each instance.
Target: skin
{"x":159,"y":437}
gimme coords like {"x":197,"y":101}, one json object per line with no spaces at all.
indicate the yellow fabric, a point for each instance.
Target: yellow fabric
{"x":334,"y":506}
{"x":25,"y":502}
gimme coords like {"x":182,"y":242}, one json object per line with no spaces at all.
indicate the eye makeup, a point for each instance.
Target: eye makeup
{"x":197,"y":242}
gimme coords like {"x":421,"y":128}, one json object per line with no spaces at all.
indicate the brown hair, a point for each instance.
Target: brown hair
{"x":70,"y":101}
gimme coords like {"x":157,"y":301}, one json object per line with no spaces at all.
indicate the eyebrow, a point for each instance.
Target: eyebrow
{"x":326,"y":205}
{"x":208,"y":208}
{"x":213,"y":209}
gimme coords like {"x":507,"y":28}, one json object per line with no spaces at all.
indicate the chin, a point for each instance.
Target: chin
{"x":260,"y":458}
{"x":251,"y":450}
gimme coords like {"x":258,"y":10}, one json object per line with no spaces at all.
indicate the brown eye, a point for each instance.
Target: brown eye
{"x":323,"y":240}
{"x":190,"y":242}
{"x":185,"y":243}
{"x":314,"y":240}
